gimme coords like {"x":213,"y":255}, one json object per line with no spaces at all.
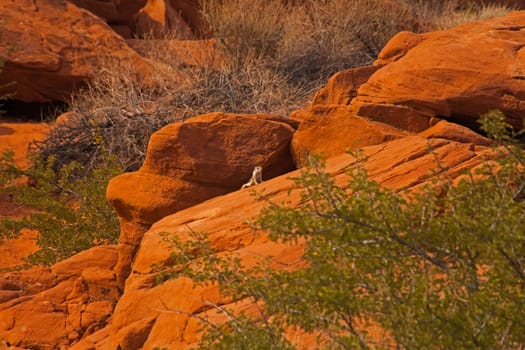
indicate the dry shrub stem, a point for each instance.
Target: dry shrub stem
{"x":275,"y":54}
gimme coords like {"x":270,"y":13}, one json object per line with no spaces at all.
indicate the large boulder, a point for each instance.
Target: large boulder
{"x":51,"y":47}
{"x":456,"y":74}
{"x":455,"y":132}
{"x":191,"y":161}
{"x":151,"y":315}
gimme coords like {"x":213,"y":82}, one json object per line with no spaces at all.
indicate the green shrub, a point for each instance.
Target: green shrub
{"x":443,"y":268}
{"x":68,"y":205}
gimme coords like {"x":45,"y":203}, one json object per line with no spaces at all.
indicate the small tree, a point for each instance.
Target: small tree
{"x":68,"y":205}
{"x":443,"y":268}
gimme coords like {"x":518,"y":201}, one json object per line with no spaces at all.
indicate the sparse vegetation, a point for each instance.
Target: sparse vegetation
{"x":272,"y":57}
{"x":68,"y":205}
{"x":442,"y":268}
{"x":4,"y":86}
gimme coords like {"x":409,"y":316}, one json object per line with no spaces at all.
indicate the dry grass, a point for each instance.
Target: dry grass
{"x":327,"y":36}
{"x":273,"y":56}
{"x":115,"y":115}
{"x":440,"y":15}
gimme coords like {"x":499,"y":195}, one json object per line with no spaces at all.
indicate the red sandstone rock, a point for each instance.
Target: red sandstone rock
{"x":17,"y":137}
{"x":106,"y":9}
{"x":192,"y":161}
{"x":158,"y":18}
{"x":334,"y":129}
{"x":148,"y":312}
{"x":342,"y":87}
{"x":147,"y":315}
{"x":178,"y":19}
{"x":456,"y":74}
{"x":50,"y":48}
{"x":455,"y":132}
{"x":53,"y":307}
{"x":128,"y":8}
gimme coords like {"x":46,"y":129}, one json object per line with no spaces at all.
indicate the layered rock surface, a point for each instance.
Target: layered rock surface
{"x":208,"y":156}
{"x":49,"y":308}
{"x":149,"y":315}
{"x":334,"y":129}
{"x":457,"y":75}
{"x":191,"y":161}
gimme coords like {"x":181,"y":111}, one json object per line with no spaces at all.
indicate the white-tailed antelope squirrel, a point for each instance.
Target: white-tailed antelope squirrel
{"x":255,"y":179}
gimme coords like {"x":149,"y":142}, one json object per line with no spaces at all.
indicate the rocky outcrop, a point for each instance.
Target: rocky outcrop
{"x":191,"y":161}
{"x":455,"y":132}
{"x":342,"y":87}
{"x":456,"y":74}
{"x":153,"y":314}
{"x":151,"y":18}
{"x":159,"y":18}
{"x":105,"y":9}
{"x":333,"y":129}
{"x":50,"y":308}
{"x":46,"y":61}
{"x":177,"y":19}
{"x":193,"y":171}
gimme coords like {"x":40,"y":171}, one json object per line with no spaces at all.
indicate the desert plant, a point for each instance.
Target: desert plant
{"x":328,"y":36}
{"x":439,"y":15}
{"x":68,"y":205}
{"x":118,"y":114}
{"x":275,"y":55}
{"x":308,"y":41}
{"x":246,"y":30}
{"x":442,"y":268}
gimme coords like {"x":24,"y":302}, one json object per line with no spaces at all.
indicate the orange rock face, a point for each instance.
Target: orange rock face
{"x":191,"y":161}
{"x":159,"y":18}
{"x":333,"y":129}
{"x":342,"y":86}
{"x":106,"y":9}
{"x":52,"y":307}
{"x":455,"y":132}
{"x":45,"y":58}
{"x":457,"y":74}
{"x":416,"y":79}
{"x":144,"y":316}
